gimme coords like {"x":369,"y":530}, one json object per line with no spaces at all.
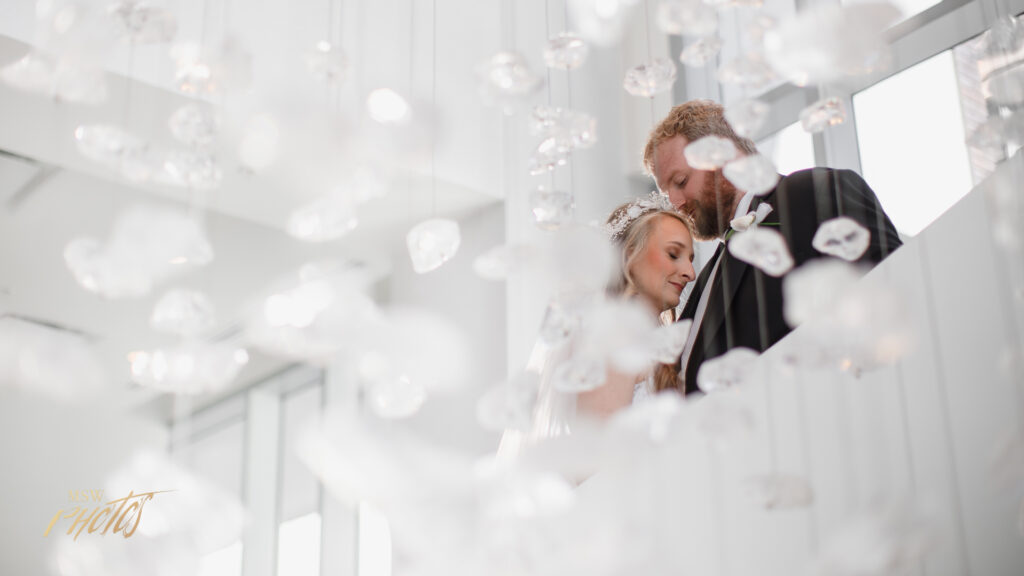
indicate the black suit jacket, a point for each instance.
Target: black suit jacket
{"x":800,"y":202}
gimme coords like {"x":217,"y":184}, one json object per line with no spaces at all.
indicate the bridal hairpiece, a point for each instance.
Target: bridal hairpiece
{"x":653,"y":202}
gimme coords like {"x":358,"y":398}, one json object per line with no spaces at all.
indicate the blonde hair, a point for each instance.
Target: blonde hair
{"x":631,"y":242}
{"x":694,"y":120}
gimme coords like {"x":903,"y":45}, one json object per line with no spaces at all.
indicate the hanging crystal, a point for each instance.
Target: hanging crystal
{"x":753,"y":173}
{"x":388,"y":107}
{"x":116,"y":149}
{"x":193,"y":69}
{"x":182,"y":312}
{"x":687,"y":17}
{"x":746,"y":116}
{"x":510,"y":405}
{"x":763,"y":248}
{"x":701,"y":52}
{"x":551,"y":209}
{"x":709,"y":152}
{"x":565,"y":52}
{"x":822,"y":114}
{"x":192,"y":169}
{"x":647,"y":80}
{"x":189,"y":368}
{"x":327,"y":63}
{"x":327,"y":218}
{"x":432,"y":243}
{"x":578,"y":375}
{"x":392,"y":396}
{"x":193,"y":126}
{"x":733,"y":368}
{"x":669,"y":340}
{"x":781,"y":492}
{"x":749,"y":71}
{"x":831,"y":42}
{"x":842,"y":237}
{"x":500,"y":262}
{"x":506,"y":79}
{"x":143,"y":21}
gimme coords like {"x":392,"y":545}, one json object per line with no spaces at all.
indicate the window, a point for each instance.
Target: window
{"x":298,"y":535}
{"x":298,"y":546}
{"x":910,"y":134}
{"x":790,"y":149}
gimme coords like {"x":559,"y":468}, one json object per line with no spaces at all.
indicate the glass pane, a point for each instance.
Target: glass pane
{"x":298,"y":546}
{"x":790,"y":149}
{"x":910,"y":134}
{"x":217,"y":456}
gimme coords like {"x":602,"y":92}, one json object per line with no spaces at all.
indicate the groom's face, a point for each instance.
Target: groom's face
{"x":705,"y":196}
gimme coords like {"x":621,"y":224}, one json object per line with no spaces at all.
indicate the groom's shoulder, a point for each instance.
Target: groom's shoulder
{"x":811,"y":181}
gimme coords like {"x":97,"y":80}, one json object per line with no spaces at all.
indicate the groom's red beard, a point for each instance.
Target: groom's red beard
{"x":711,"y":213}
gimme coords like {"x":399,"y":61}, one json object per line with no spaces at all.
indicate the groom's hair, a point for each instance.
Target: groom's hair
{"x":694,"y":120}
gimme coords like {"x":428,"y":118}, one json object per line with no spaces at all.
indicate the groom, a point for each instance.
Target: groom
{"x":726,"y":309}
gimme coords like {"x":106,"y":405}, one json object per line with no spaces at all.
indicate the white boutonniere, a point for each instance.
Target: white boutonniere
{"x":750,"y":219}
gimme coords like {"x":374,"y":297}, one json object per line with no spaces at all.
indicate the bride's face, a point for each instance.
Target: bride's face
{"x":665,"y":264}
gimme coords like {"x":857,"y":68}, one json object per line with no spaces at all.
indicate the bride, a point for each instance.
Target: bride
{"x":655,"y":248}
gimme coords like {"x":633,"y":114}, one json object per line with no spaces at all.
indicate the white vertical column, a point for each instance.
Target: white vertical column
{"x":262,"y":446}
{"x":340,"y":522}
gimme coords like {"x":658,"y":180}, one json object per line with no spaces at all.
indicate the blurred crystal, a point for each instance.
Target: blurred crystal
{"x":506,"y":79}
{"x":763,"y":248}
{"x":619,"y":331}
{"x":561,"y":320}
{"x":759,"y":25}
{"x":193,"y":126}
{"x":746,"y":116}
{"x":62,"y":79}
{"x":192,"y":169}
{"x":189,"y":368}
{"x":701,"y":52}
{"x":781,"y":492}
{"x":259,"y":145}
{"x":424,"y":346}
{"x":998,"y":132}
{"x":822,"y":114}
{"x":830,"y":42}
{"x":578,"y":375}
{"x":565,"y":52}
{"x":842,"y":237}
{"x":526,"y":495}
{"x":143,"y":21}
{"x":563,"y":130}
{"x":647,"y":80}
{"x":884,"y":541}
{"x":327,"y":63}
{"x":687,"y":17}
{"x":510,"y":405}
{"x":551,"y":209}
{"x":145,"y":246}
{"x":388,"y":107}
{"x":733,"y":368}
{"x":749,"y":71}
{"x":709,"y":152}
{"x":502,"y":261}
{"x":542,"y":163}
{"x":725,"y":416}
{"x":600,"y":22}
{"x":116,"y":149}
{"x":1006,"y":36}
{"x":813,"y":288}
{"x":42,"y":360}
{"x":170,"y":555}
{"x":432,"y":243}
{"x":1005,"y":86}
{"x":753,"y":173}
{"x":193,"y":70}
{"x":398,"y":397}
{"x":208,"y":516}
{"x":182,"y":312}
{"x":669,"y":341}
{"x":314,"y":313}
{"x":327,"y":218}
